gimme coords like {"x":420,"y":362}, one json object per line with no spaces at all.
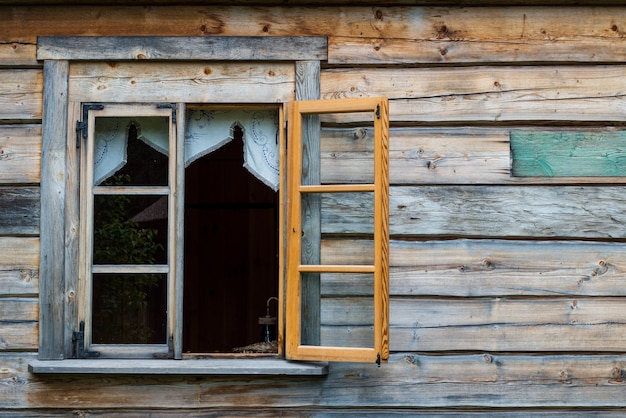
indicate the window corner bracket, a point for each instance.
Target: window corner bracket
{"x":78,"y":344}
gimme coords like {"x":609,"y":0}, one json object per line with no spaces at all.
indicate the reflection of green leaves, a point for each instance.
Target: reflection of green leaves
{"x":121,"y":300}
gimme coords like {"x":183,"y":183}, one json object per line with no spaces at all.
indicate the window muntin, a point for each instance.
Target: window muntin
{"x":355,"y":208}
{"x":126,"y":274}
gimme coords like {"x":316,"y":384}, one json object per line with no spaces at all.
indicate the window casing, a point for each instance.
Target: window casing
{"x":61,"y":304}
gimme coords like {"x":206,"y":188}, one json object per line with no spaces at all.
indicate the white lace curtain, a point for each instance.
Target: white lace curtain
{"x":205,"y":131}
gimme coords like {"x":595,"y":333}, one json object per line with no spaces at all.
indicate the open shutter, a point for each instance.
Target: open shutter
{"x":337,"y":231}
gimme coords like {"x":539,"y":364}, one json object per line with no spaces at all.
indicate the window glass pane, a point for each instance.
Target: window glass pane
{"x":129,"y":309}
{"x":346,"y":309}
{"x":346,"y":148}
{"x":130,"y":229}
{"x":133,"y":148}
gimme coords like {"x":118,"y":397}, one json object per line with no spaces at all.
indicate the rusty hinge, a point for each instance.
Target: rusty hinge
{"x":78,"y":344}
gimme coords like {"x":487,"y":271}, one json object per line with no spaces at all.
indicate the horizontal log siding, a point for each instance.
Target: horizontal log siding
{"x":501,"y":287}
{"x":371,"y":35}
{"x":409,"y":379}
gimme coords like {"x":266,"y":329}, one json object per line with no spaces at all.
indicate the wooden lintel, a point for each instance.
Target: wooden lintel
{"x":239,"y":48}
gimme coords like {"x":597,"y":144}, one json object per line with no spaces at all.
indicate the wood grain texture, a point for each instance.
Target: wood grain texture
{"x":185,"y":48}
{"x":52,"y":227}
{"x":363,"y":34}
{"x":19,"y":266}
{"x":571,"y":154}
{"x":183,"y":82}
{"x":20,"y":210}
{"x":20,"y":153}
{"x":485,"y":211}
{"x":487,"y":94}
{"x":477,"y":268}
{"x":21,"y":93}
{"x":484,"y":380}
{"x":441,"y":155}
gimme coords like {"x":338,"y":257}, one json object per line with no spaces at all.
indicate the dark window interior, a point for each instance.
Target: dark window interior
{"x":231,"y":252}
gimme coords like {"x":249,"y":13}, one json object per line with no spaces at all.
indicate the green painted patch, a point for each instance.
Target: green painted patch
{"x":568,"y":154}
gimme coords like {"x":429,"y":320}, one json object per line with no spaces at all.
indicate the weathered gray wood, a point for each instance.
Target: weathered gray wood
{"x":568,"y":154}
{"x":20,"y":210}
{"x":421,"y":324}
{"x":567,"y":324}
{"x":19,"y":266}
{"x":20,"y":90}
{"x":72,"y":230}
{"x":486,"y":94}
{"x":475,"y":268}
{"x":308,"y":88}
{"x":20,"y":153}
{"x":186,"y":48}
{"x":260,"y":366}
{"x":19,"y":309}
{"x":485,"y":211}
{"x":18,"y":335}
{"x":412,"y":380}
{"x":438,"y":155}
{"x":53,"y":181}
{"x":212,"y":82}
{"x":377,"y":50}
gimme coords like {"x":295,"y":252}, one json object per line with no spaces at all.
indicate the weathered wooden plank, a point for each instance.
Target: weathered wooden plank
{"x":498,"y":324}
{"x":214,"y":366}
{"x":365,"y":34}
{"x":186,"y":48}
{"x":20,"y":90}
{"x":184,"y":82}
{"x":20,"y":153}
{"x":487,"y":94}
{"x":18,"y":335}
{"x":485,"y":211}
{"x":570,"y":325}
{"x":408,"y":380}
{"x":14,"y":53}
{"x":20,"y":210}
{"x":568,"y":154}
{"x":449,"y":49}
{"x":19,"y":310}
{"x":446,"y":155}
{"x":475,"y":268}
{"x":19,"y":266}
{"x":308,"y":88}
{"x":54,"y":176}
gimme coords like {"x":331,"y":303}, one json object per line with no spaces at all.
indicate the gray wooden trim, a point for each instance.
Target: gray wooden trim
{"x":52,"y":229}
{"x":308,"y":88}
{"x":261,"y":366}
{"x":235,"y":48}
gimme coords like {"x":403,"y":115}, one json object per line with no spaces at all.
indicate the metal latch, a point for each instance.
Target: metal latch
{"x":78,"y":344}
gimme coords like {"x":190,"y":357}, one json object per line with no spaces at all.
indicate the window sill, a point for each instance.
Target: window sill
{"x":259,"y":366}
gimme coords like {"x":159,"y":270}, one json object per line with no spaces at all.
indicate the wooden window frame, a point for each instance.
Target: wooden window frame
{"x":299,"y":186}
{"x":58,"y":185}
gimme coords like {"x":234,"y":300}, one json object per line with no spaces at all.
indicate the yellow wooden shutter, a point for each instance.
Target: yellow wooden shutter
{"x":340,"y":212}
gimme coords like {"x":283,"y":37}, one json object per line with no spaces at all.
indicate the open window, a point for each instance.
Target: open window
{"x":337,"y":229}
{"x":172,"y":202}
{"x":148,"y":195}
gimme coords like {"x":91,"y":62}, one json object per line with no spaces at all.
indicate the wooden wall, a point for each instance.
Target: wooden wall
{"x":506,"y":292}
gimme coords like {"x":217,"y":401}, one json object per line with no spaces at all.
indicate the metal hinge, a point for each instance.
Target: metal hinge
{"x":378,"y":359}
{"x":377,"y":111}
{"x":169,"y":106}
{"x":78,"y":344}
{"x":81,"y":125}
